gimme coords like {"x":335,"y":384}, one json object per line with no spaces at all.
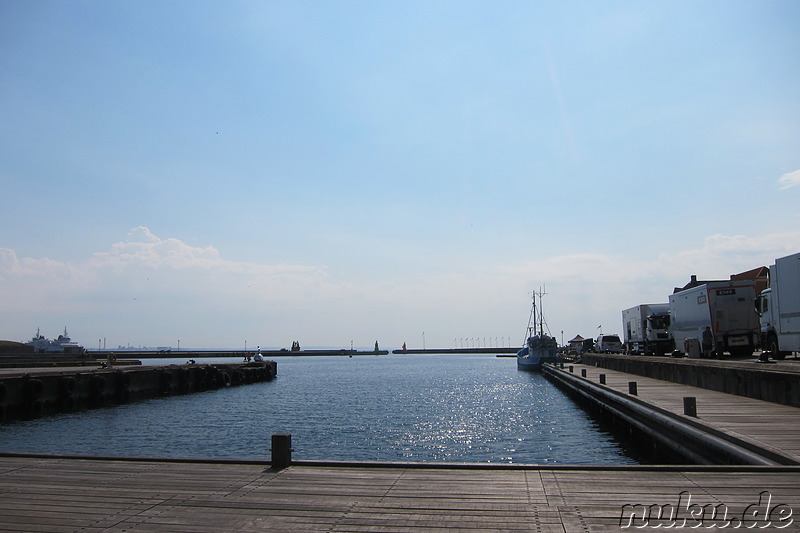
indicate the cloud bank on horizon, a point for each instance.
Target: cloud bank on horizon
{"x":166,"y":290}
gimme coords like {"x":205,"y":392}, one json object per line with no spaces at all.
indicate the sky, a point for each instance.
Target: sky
{"x":251,"y":173}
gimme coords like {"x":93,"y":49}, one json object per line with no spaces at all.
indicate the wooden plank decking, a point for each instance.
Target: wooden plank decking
{"x":769,"y":424}
{"x":93,"y":495}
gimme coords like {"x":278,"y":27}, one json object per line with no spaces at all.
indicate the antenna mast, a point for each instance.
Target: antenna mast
{"x":542,"y":292}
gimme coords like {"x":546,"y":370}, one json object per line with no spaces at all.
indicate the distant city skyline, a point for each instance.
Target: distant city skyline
{"x":350,"y":171}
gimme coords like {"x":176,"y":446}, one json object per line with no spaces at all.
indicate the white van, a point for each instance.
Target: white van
{"x":608,"y":344}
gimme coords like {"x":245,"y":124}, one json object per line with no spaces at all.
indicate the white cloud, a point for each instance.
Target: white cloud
{"x":792,"y":179}
{"x":151,"y":265}
{"x":155,"y":290}
{"x":149,"y":284}
{"x":723,"y":255}
{"x":586,"y":289}
{"x":142,"y":248}
{"x":29,"y":284}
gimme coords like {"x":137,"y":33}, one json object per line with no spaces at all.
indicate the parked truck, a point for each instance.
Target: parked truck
{"x":645,"y":329}
{"x":728,"y":307}
{"x":779,"y":308}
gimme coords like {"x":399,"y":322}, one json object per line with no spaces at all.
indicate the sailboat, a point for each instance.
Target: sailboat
{"x":539,"y":347}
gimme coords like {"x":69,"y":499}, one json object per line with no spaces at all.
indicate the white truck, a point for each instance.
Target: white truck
{"x":779,"y":308}
{"x":727,"y":306}
{"x":645,"y":329}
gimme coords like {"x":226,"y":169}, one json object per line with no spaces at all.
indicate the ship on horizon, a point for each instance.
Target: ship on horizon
{"x":61,"y":344}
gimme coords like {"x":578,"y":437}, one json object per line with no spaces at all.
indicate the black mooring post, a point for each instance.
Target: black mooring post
{"x":281,"y":450}
{"x":690,"y":406}
{"x":602,"y":379}
{"x":632,"y":388}
{"x":583,"y":372}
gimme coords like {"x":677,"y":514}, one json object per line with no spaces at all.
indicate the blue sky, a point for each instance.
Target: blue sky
{"x":328,"y":172}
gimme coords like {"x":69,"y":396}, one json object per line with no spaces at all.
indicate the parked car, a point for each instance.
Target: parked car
{"x":608,"y":344}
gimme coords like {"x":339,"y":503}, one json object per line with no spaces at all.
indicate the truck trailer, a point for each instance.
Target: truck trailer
{"x":645,"y":329}
{"x":779,"y":308}
{"x":728,"y":307}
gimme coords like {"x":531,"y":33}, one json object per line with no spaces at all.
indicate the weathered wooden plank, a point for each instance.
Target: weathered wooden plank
{"x":60,"y":495}
{"x":757,"y":420}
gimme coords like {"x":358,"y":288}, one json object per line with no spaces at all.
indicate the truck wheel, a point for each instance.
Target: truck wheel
{"x":772,"y":346}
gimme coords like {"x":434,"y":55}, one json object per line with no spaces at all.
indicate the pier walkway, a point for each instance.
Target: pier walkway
{"x":764,"y":424}
{"x":777,"y":382}
{"x":93,"y":495}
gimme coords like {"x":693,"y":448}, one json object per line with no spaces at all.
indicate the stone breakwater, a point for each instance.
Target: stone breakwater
{"x":39,"y":392}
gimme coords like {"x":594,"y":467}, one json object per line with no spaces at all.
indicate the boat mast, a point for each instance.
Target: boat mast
{"x":541,"y":316}
{"x":536,"y":324}
{"x":541,"y":311}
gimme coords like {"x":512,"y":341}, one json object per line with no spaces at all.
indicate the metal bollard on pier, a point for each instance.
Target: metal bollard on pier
{"x":690,"y":406}
{"x":281,"y":450}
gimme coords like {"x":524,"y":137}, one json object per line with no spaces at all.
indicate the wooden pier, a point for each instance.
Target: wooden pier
{"x":773,"y":381}
{"x":722,"y":428}
{"x":52,"y":494}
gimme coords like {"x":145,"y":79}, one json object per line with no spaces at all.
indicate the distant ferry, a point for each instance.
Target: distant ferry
{"x":63,"y":344}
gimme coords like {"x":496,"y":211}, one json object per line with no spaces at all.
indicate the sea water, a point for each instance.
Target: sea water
{"x":422,"y":408}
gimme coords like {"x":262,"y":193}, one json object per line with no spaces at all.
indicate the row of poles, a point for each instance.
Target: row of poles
{"x":475,"y":342}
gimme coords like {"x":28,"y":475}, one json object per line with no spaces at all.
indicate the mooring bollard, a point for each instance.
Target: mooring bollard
{"x":583,"y":372}
{"x":690,"y":406}
{"x":570,"y":369}
{"x":281,"y":450}
{"x":602,"y":379}
{"x":632,"y":388}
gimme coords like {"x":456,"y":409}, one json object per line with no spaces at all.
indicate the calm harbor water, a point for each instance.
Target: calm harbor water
{"x":426,"y":408}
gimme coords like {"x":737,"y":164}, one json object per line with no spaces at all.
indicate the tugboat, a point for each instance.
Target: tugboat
{"x":540,"y":348}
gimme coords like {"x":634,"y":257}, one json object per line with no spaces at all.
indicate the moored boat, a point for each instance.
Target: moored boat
{"x":539,"y":347}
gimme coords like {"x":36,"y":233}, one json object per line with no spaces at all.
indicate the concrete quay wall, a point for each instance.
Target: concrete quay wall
{"x":768,"y":382}
{"x":240,"y":354}
{"x":440,"y":351}
{"x":39,"y":392}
